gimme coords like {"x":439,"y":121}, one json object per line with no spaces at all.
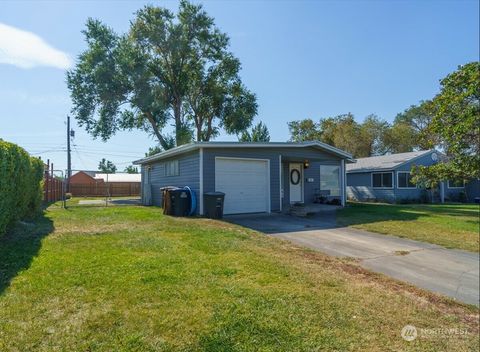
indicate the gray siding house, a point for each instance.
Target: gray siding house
{"x":387,"y":178}
{"x":255,"y":177}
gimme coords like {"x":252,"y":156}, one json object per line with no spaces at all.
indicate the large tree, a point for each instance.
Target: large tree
{"x":455,"y":125}
{"x":148,"y":77}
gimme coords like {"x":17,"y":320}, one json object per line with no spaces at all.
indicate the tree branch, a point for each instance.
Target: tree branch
{"x":150,"y":119}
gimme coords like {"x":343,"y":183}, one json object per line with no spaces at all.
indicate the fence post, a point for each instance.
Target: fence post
{"x":46,"y":180}
{"x":53,"y":184}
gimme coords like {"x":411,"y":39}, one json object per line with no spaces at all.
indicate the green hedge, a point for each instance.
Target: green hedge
{"x":20,"y":184}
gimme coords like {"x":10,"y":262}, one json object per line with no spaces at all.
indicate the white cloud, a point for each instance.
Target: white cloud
{"x":26,"y":50}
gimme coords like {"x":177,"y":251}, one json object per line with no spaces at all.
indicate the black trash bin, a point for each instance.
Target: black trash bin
{"x":167,"y":203}
{"x":180,"y":199}
{"x":214,"y":204}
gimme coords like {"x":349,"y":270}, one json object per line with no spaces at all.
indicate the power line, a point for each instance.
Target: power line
{"x":89,"y":148}
{"x":48,"y":151}
{"x":111,"y":154}
{"x":79,"y":157}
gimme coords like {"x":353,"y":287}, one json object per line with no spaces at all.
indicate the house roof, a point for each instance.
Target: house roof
{"x":87,"y":172}
{"x":197,"y":145}
{"x":385,"y":162}
{"x":119,"y":177}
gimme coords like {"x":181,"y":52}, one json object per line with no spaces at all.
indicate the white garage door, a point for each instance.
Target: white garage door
{"x":245,"y":184}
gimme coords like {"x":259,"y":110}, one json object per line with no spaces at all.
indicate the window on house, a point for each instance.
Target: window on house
{"x":171,"y":168}
{"x":330,"y":179}
{"x":456,"y":184}
{"x":405,"y":180}
{"x":382,"y":180}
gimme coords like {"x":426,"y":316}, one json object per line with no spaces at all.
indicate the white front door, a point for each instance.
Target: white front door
{"x":295,"y":176}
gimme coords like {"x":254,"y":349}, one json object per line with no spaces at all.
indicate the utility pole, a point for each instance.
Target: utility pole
{"x":69,"y":157}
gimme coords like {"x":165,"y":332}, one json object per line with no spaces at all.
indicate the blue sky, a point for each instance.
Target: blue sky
{"x":303,"y":59}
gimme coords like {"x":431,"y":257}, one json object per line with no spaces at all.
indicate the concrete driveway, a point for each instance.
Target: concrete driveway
{"x":454,"y":273}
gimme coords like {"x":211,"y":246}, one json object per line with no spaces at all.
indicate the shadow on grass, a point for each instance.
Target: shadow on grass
{"x":19,"y":246}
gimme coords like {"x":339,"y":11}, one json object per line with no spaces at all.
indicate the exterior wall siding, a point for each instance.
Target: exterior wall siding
{"x":153,"y":174}
{"x":188,"y":166}
{"x":209,"y":155}
{"x":472,"y":189}
{"x":411,"y":193}
{"x":309,"y":188}
{"x":315,"y":156}
{"x":359,"y":185}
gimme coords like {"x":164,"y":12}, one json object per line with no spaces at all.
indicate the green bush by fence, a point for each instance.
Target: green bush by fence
{"x":20,"y":184}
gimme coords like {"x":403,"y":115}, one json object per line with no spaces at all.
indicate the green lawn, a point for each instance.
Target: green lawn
{"x":130,"y":279}
{"x":448,"y":225}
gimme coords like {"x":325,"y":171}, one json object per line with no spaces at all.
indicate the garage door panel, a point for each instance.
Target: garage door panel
{"x":245,"y":184}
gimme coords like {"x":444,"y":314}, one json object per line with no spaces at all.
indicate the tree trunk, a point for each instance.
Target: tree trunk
{"x":177,"y":114}
{"x":161,"y":140}
{"x":199,"y":131}
{"x":209,"y":130}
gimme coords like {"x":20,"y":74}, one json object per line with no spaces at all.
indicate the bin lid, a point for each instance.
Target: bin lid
{"x":178,"y":191}
{"x":214,"y":194}
{"x":169,"y":188}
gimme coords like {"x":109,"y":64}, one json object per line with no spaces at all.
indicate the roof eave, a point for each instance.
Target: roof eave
{"x":197,"y":145}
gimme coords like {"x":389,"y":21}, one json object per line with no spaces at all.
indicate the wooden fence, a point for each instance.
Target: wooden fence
{"x":103,"y":189}
{"x":53,"y":187}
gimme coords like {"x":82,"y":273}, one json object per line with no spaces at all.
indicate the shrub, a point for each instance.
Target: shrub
{"x":20,"y":184}
{"x":334,"y":201}
{"x":424,"y":197}
{"x":407,"y":200}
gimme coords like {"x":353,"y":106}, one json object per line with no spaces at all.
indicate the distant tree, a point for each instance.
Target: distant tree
{"x":259,"y":133}
{"x":374,"y":130}
{"x":130,"y":169}
{"x":399,"y":138}
{"x":348,"y":135}
{"x":170,"y":143}
{"x":153,"y":150}
{"x":417,"y":118}
{"x":166,"y":68}
{"x":304,"y":130}
{"x":456,"y":126}
{"x":107,"y":166}
{"x":343,"y":132}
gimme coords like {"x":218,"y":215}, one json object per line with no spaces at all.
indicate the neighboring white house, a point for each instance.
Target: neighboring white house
{"x":118,"y":177}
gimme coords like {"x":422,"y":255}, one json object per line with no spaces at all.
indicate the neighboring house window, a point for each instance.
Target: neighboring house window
{"x":404,"y":180}
{"x":171,"y":168}
{"x":456,"y":184}
{"x":330,"y":179}
{"x":382,"y":180}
